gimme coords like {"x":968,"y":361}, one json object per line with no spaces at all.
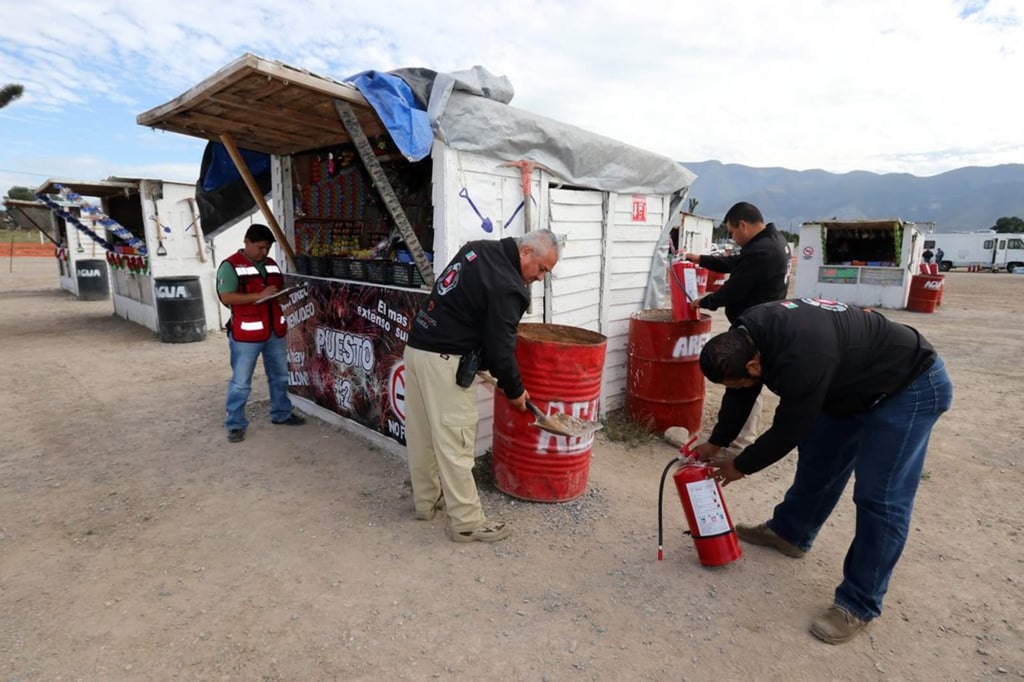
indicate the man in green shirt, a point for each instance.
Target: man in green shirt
{"x":247,"y":280}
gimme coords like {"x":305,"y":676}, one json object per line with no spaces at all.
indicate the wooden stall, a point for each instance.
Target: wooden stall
{"x":365,"y":227}
{"x":864,"y":262}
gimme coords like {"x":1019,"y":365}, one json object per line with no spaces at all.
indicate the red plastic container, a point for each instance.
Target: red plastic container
{"x":561,"y":368}
{"x":664,"y":384}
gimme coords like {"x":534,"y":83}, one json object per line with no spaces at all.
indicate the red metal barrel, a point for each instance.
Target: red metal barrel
{"x":664,"y":384}
{"x":925,"y":293}
{"x":561,"y":368}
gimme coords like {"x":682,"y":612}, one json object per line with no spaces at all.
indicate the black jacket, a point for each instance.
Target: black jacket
{"x":819,"y":357}
{"x":476,"y":304}
{"x":758,"y":274}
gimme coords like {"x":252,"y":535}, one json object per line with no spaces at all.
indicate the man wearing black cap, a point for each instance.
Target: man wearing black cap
{"x":245,"y":277}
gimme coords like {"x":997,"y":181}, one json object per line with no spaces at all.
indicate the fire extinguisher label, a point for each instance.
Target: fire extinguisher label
{"x":690,"y":282}
{"x":708,"y":509}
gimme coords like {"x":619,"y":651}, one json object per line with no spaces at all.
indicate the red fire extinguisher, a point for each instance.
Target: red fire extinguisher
{"x":710,"y":524}
{"x":686,"y":282}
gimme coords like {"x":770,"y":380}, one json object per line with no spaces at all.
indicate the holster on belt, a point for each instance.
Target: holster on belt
{"x":469,"y":365}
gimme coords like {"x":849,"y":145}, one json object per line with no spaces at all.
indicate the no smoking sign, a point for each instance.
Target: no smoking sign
{"x":396,"y":393}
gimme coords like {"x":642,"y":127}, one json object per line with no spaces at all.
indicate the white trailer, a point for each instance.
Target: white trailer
{"x":864,"y":262}
{"x":988,"y":250}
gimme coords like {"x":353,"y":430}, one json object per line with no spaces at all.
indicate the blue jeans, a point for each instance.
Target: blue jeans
{"x":243,"y":363}
{"x":885,"y":450}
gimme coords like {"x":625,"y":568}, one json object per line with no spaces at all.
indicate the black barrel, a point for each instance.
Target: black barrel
{"x":179,"y":309}
{"x":93,"y":283}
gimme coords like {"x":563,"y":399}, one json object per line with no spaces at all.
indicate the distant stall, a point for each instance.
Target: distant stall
{"x":33,"y":215}
{"x":80,"y":268}
{"x":693,"y":233}
{"x":147,"y":233}
{"x":864,"y":262}
{"x":370,"y":211}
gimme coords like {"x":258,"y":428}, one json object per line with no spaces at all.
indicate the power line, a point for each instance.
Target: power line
{"x":21,"y":172}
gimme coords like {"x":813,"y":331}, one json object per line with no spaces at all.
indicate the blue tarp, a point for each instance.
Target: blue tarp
{"x":394,"y":102}
{"x":221,"y":169}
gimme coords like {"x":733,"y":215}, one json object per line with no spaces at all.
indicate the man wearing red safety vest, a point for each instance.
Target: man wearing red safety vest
{"x":247,"y":276}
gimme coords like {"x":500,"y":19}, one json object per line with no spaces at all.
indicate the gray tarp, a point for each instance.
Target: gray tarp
{"x":577,"y":157}
{"x":469,"y":111}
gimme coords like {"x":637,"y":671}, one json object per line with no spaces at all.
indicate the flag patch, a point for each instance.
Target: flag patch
{"x":471,"y":256}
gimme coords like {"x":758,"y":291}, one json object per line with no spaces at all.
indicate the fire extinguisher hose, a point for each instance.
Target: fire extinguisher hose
{"x":661,"y":498}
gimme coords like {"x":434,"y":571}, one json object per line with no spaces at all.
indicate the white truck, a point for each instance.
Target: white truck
{"x":989,"y":250}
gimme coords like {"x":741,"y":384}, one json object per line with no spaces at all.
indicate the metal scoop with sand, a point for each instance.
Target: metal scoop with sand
{"x":557,"y":423}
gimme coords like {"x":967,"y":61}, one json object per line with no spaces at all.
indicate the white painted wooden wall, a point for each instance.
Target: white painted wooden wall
{"x":577,"y":216}
{"x":630,"y":248}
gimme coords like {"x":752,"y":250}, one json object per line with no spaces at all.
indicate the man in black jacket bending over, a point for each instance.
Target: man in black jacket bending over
{"x":757,"y":275}
{"x":473,"y":311}
{"x":858,"y":396}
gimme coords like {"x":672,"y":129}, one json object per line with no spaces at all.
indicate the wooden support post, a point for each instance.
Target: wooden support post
{"x":254,"y":189}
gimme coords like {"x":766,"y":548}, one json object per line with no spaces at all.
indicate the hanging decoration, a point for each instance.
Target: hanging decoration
{"x":103,"y":219}
{"x":72,"y":220}
{"x":135,"y":264}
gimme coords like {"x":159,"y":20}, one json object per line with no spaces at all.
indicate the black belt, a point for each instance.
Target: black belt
{"x":924,"y":366}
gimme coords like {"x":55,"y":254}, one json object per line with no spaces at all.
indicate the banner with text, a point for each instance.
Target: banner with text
{"x":345,"y":346}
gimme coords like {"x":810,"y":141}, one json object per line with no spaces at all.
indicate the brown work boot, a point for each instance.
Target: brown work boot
{"x":761,"y":534}
{"x":837,"y":625}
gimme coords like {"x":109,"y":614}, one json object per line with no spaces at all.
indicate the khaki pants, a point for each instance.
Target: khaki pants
{"x":440,"y":433}
{"x":749,"y":433}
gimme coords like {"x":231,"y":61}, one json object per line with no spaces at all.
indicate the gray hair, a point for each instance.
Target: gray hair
{"x":542,"y":241}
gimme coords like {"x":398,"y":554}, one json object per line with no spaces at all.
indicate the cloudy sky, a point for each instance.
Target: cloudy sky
{"x":917,"y":86}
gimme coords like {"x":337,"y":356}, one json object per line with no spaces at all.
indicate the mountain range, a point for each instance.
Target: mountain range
{"x":966,"y":199}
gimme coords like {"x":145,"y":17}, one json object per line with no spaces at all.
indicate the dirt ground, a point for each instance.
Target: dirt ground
{"x":137,"y":544}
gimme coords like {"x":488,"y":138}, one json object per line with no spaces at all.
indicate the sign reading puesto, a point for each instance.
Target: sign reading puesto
{"x":345,"y":346}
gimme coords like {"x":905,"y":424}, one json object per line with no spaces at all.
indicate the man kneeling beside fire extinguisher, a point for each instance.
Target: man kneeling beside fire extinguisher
{"x":858,"y":395}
